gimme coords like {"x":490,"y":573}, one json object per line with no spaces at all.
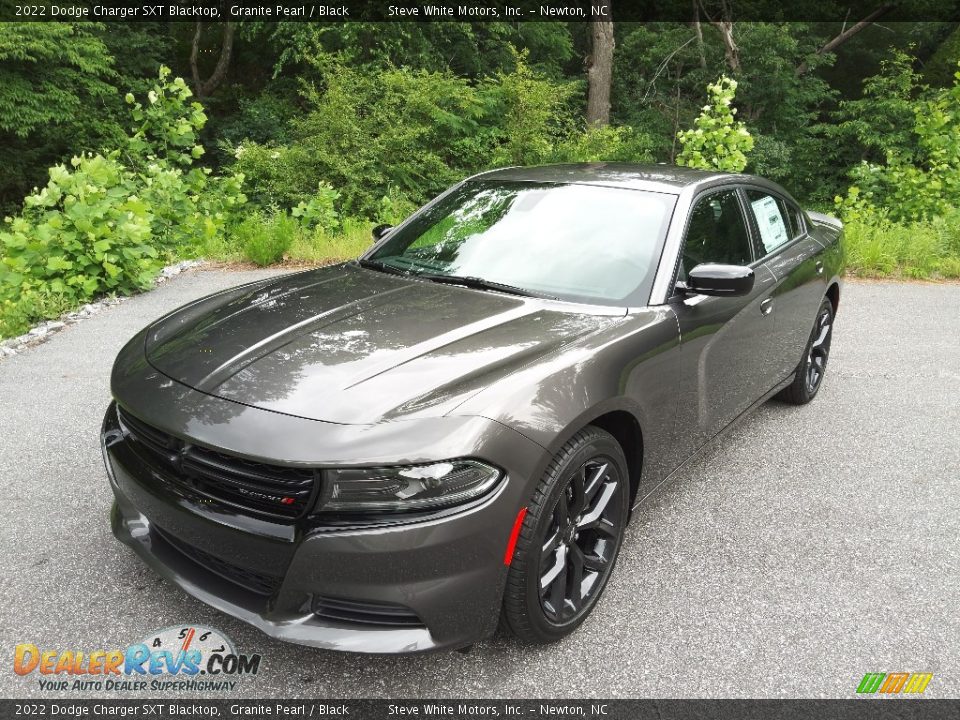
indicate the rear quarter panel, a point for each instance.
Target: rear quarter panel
{"x":828,"y":231}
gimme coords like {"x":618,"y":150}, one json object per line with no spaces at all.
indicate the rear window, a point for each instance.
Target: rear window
{"x":773,"y":220}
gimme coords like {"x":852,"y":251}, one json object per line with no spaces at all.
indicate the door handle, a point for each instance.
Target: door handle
{"x":819,"y":268}
{"x":766,"y":306}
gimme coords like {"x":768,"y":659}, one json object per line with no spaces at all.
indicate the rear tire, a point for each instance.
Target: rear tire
{"x":569,"y":540}
{"x":809,"y":377}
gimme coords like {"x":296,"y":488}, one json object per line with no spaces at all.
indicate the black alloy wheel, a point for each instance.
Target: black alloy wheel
{"x":819,"y":348}
{"x":813,"y":366}
{"x":570,"y":539}
{"x":584,"y":531}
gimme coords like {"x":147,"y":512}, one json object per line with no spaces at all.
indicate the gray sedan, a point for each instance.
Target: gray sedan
{"x":398,"y":453}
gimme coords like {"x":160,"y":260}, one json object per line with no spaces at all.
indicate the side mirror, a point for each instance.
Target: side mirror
{"x":719,"y":280}
{"x":380,"y":230}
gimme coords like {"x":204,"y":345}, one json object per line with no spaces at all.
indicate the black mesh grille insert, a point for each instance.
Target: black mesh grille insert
{"x":365,"y":613}
{"x":272,"y":490}
{"x":259,"y":583}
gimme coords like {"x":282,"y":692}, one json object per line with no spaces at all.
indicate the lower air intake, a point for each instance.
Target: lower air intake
{"x":365,"y":613}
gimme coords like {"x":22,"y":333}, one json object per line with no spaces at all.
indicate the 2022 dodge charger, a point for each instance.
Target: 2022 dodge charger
{"x":393,"y":454}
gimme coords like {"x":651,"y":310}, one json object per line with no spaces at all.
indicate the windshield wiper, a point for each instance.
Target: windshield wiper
{"x":380,"y":266}
{"x":478,"y":283}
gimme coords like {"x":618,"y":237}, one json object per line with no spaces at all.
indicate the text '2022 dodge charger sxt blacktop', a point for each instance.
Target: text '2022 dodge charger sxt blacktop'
{"x":393,"y":454}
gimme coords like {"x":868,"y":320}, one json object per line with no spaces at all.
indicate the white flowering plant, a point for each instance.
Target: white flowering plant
{"x":717,"y":141}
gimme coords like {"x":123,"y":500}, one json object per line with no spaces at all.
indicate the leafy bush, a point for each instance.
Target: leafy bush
{"x":265,"y":239}
{"x":85,"y":233}
{"x":373,"y":133}
{"x":57,"y":98}
{"x":365,"y":131}
{"x":608,"y":143}
{"x":189,"y":204}
{"x":527,"y":114}
{"x":105,"y":224}
{"x":394,"y":207}
{"x":320,"y":210}
{"x":920,"y":180}
{"x":717,"y":141}
{"x":882,"y":120}
{"x":32,"y":306}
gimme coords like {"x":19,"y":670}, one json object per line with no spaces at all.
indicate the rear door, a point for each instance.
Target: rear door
{"x":725,"y":365}
{"x":784,"y":245}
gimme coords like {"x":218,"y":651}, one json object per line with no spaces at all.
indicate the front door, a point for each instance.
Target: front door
{"x":724,"y":353}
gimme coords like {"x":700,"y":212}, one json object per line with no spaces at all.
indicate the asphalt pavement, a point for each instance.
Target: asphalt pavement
{"x":803,"y":549}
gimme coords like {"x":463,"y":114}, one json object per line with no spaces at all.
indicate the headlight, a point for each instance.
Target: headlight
{"x":413,"y":487}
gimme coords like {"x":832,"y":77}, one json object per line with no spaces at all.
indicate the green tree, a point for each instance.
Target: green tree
{"x":882,"y":120}
{"x":56,"y":79}
{"x":528,"y":113}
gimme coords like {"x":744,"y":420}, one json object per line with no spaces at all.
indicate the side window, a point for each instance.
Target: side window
{"x":717,"y":233}
{"x":773,"y":221}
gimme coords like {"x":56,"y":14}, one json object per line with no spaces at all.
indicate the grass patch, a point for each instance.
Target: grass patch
{"x":17,"y":317}
{"x":265,"y":241}
{"x":322,"y":248}
{"x":919,"y":250}
{"x":270,"y":239}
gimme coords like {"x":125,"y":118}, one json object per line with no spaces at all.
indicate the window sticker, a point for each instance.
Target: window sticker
{"x":773,"y":230}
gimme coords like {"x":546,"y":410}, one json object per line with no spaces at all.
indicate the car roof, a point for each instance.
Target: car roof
{"x":669,"y":179}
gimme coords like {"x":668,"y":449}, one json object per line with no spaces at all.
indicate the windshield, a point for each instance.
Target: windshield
{"x":576,"y":242}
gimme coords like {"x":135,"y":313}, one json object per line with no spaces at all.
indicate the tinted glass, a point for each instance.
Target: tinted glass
{"x":717,"y":233}
{"x":796,"y":220}
{"x":575,"y":242}
{"x":773,"y":220}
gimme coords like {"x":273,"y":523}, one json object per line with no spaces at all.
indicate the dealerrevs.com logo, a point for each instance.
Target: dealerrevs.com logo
{"x":174,"y":659}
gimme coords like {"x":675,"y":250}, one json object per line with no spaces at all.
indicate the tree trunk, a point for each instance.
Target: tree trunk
{"x":203,"y":88}
{"x":600,"y":71}
{"x":731,"y":52}
{"x":698,"y":32}
{"x":724,"y":25}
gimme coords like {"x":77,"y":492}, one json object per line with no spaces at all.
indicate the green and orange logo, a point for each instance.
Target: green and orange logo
{"x":894,"y":683}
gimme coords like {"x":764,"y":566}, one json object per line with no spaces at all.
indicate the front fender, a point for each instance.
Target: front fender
{"x":631,"y":367}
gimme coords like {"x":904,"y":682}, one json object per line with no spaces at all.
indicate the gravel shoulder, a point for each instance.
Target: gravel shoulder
{"x":805,"y":548}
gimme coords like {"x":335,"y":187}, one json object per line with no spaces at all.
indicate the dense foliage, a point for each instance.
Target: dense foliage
{"x":104,"y":224}
{"x":319,"y":131}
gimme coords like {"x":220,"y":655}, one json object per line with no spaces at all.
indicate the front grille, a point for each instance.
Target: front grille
{"x":259,"y":583}
{"x":272,"y":490}
{"x":365,"y":613}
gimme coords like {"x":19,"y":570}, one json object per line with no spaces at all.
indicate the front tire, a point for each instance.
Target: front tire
{"x":569,"y":540}
{"x":810,"y":371}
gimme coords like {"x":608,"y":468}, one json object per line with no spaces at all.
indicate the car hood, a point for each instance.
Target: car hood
{"x":353,"y":346}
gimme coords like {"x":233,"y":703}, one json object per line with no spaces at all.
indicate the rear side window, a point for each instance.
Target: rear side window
{"x":773,"y":220}
{"x":796,"y":220}
{"x":717,"y":233}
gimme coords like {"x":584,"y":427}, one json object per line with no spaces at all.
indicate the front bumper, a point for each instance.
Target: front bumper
{"x":448,"y":571}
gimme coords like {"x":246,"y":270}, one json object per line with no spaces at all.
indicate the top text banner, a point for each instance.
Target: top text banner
{"x":326,"y":11}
